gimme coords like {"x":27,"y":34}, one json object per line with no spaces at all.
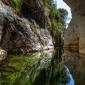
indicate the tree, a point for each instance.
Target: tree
{"x":62,"y":16}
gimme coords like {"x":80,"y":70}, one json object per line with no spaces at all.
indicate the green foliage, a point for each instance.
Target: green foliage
{"x":17,"y":4}
{"x":49,"y":3}
{"x":62,"y":16}
{"x":58,"y":21}
{"x":57,"y":18}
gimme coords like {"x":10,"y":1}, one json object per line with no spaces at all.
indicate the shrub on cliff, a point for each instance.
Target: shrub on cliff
{"x":18,"y":4}
{"x":58,"y":20}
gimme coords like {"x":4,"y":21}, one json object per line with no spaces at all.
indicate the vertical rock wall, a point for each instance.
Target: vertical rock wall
{"x":71,"y":35}
{"x":75,"y":34}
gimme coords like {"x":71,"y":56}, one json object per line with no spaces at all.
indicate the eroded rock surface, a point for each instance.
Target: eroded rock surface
{"x":26,"y":33}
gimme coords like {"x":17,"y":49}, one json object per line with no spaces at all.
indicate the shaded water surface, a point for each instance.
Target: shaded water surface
{"x":43,"y":68}
{"x":75,"y":61}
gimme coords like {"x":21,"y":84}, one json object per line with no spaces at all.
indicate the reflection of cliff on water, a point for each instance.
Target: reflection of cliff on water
{"x":43,"y":68}
{"x":75,"y":61}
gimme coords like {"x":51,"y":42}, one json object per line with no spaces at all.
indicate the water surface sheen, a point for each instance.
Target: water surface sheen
{"x":75,"y":61}
{"x":41,"y":68}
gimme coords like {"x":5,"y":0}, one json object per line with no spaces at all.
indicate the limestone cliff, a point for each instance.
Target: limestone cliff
{"x":75,"y":34}
{"x":27,"y":32}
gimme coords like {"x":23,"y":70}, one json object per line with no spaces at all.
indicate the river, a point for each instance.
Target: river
{"x":44,"y":68}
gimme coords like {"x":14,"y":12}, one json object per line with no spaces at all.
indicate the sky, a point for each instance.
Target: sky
{"x":62,"y":4}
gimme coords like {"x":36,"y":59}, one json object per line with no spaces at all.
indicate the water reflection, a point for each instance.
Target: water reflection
{"x":65,"y":75}
{"x":71,"y":82}
{"x":75,"y":61}
{"x":43,"y":68}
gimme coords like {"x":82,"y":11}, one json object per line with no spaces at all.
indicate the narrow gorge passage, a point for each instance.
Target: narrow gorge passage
{"x":36,"y":48}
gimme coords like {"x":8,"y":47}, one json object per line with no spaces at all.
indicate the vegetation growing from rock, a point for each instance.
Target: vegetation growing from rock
{"x":18,"y":4}
{"x":31,"y":29}
{"x":58,"y":21}
{"x":57,"y":16}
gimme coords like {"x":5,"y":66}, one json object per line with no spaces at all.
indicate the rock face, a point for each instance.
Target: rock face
{"x":71,"y":35}
{"x":26,"y":33}
{"x":75,"y":34}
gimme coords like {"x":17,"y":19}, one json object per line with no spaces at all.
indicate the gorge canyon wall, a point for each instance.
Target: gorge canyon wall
{"x":75,"y":34}
{"x":27,"y":32}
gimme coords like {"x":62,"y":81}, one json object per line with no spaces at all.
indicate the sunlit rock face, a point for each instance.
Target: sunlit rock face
{"x":75,"y":34}
{"x":24,"y":33}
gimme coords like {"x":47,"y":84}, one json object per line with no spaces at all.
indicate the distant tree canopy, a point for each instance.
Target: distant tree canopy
{"x":57,"y":16}
{"x":62,"y":16}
